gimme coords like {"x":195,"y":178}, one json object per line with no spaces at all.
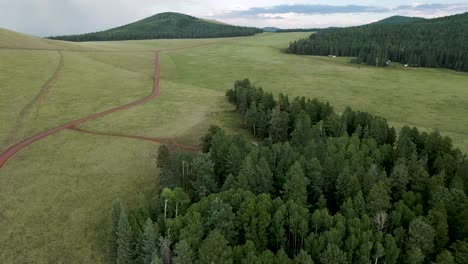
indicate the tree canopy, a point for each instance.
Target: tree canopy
{"x":335,"y":188}
{"x":435,"y":43}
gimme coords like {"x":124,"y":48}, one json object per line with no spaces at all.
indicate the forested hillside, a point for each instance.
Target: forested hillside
{"x":438,"y":43}
{"x":167,"y":26}
{"x":319,"y":188}
{"x":398,"y":20}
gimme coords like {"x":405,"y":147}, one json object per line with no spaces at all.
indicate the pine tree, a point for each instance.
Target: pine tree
{"x":302,"y":130}
{"x":164,"y":158}
{"x":295,"y":187}
{"x":116,"y":211}
{"x":125,"y":241}
{"x":251,"y":117}
{"x":303,"y":258}
{"x":445,"y":258}
{"x":421,"y":236}
{"x":203,"y":169}
{"x":378,"y":199}
{"x":278,"y":126}
{"x":438,"y":218}
{"x":215,"y":249}
{"x":400,"y":179}
{"x":221,"y":217}
{"x":148,"y":242}
{"x":282,"y":257}
{"x":183,"y":253}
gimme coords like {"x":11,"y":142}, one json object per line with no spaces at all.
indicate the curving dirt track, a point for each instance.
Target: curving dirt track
{"x":17,"y":147}
{"x":168,"y":142}
{"x":71,"y":125}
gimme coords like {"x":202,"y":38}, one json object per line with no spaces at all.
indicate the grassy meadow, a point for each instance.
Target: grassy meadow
{"x":57,"y":193}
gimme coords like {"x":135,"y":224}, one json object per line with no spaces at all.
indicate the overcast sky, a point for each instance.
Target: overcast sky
{"x":56,"y":17}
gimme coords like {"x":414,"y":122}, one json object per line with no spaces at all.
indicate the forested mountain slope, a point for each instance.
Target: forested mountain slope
{"x":398,"y":20}
{"x":167,"y":26}
{"x":437,"y":43}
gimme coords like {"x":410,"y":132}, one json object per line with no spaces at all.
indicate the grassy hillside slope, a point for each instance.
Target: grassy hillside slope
{"x":166,"y":26}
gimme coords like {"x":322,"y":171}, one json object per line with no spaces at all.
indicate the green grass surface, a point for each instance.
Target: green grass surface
{"x":22,"y":75}
{"x":56,"y":194}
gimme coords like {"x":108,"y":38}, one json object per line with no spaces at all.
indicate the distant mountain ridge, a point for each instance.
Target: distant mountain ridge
{"x":398,"y":20}
{"x":165,"y":25}
{"x":270,"y":29}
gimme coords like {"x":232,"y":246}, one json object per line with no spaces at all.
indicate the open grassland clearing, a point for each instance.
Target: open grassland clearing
{"x":56,"y":196}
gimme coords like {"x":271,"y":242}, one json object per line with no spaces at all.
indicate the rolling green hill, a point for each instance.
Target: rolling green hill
{"x":166,"y":26}
{"x":398,"y":20}
{"x":436,"y":43}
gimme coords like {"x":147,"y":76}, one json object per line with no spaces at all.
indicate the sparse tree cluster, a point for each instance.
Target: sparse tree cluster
{"x":320,"y":188}
{"x":436,"y":43}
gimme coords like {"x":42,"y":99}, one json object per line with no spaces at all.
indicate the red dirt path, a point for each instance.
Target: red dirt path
{"x":7,"y":154}
{"x":14,"y":149}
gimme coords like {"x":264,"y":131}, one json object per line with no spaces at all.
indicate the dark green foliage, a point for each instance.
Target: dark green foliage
{"x":221,"y":217}
{"x":278,"y":130}
{"x":440,"y":43}
{"x":398,"y":20}
{"x":116,"y":211}
{"x":303,"y":258}
{"x":156,"y":260}
{"x":445,"y":258}
{"x":183,"y":253}
{"x":215,"y":249}
{"x":421,"y":235}
{"x":164,"y":157}
{"x":165,"y":26}
{"x":296,"y":184}
{"x":339,"y":189}
{"x":148,"y":242}
{"x":203,"y":169}
{"x":125,"y":241}
{"x":460,"y":249}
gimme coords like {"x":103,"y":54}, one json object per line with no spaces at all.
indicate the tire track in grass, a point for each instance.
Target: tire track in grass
{"x":31,"y":109}
{"x":169,"y":142}
{"x":17,"y":147}
{"x":6,"y":155}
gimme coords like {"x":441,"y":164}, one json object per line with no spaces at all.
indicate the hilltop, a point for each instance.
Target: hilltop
{"x":398,"y":20}
{"x":270,"y":29}
{"x":166,"y":26}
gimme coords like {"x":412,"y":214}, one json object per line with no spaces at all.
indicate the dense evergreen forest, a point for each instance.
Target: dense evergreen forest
{"x":317,"y":187}
{"x":399,"y":20}
{"x":437,"y":43}
{"x":165,"y":26}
